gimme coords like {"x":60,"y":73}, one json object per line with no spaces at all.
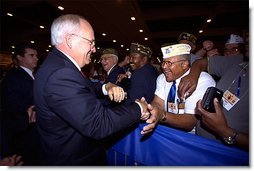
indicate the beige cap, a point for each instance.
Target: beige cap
{"x":175,"y":50}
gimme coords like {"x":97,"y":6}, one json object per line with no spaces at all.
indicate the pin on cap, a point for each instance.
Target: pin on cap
{"x":141,"y":49}
{"x":175,"y":50}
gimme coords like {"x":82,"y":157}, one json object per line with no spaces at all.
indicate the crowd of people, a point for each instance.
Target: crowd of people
{"x":61,"y":114}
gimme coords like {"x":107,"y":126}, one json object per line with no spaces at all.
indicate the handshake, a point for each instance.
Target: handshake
{"x":150,"y":114}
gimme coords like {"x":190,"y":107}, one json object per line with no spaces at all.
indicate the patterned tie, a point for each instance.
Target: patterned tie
{"x":172,"y":93}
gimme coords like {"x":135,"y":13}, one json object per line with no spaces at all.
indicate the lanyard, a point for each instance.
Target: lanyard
{"x":239,"y":86}
{"x":239,"y":81}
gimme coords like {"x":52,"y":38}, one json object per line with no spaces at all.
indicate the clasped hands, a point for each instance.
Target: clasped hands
{"x":149,"y":113}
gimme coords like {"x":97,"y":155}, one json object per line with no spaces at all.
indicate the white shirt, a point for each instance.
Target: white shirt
{"x":162,"y":89}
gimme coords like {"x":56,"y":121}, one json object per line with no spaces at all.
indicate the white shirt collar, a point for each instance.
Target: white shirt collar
{"x":72,"y":60}
{"x":30,"y":72}
{"x":110,"y":69}
{"x":179,"y":79}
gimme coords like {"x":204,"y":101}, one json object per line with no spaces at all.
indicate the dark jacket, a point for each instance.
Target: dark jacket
{"x":142,"y":84}
{"x":112,"y":76}
{"x":17,"y":97}
{"x":70,"y":119}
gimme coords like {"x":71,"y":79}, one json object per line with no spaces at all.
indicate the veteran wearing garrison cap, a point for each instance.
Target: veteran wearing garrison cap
{"x":190,"y":39}
{"x":176,"y":112}
{"x":142,"y":82}
{"x":109,"y":62}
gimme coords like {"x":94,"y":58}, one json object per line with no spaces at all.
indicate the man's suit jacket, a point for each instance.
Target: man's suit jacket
{"x":70,"y":118}
{"x":112,"y":76}
{"x":142,"y":84}
{"x":17,"y":97}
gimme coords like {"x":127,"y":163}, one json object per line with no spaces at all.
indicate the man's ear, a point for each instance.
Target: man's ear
{"x":185,"y":64}
{"x":19,"y":57}
{"x":68,"y":40}
{"x":145,"y":59}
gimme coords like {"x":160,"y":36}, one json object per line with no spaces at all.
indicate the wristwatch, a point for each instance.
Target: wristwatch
{"x":232,"y":139}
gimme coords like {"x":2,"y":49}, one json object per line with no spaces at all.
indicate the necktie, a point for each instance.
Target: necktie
{"x":82,"y":73}
{"x":172,"y":93}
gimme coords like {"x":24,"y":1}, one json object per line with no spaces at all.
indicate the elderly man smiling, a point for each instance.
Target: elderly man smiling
{"x":173,"y":111}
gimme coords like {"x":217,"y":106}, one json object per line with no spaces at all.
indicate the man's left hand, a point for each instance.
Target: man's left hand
{"x":115,"y":92}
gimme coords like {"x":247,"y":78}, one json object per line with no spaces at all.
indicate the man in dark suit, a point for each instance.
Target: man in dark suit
{"x":71,"y":120}
{"x":109,"y":62}
{"x":142,"y":82}
{"x":18,"y":120}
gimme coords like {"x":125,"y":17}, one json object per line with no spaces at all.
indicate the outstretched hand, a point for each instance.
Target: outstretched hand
{"x":153,"y":120}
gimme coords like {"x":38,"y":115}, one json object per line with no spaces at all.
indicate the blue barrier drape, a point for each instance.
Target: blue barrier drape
{"x":172,"y":147}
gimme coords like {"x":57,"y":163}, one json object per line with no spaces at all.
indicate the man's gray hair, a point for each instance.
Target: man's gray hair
{"x":69,"y":23}
{"x":186,"y":57}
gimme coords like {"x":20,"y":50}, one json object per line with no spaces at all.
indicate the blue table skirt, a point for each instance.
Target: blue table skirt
{"x":172,"y":147}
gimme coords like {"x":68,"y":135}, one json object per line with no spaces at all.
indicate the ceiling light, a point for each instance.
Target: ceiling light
{"x":209,"y":20}
{"x":140,"y":30}
{"x":133,"y":18}
{"x":127,"y":49}
{"x":98,"y":48}
{"x":42,"y":27}
{"x":49,"y":46}
{"x":103,"y":34}
{"x":32,"y":41}
{"x":146,"y":38}
{"x":13,"y":47}
{"x":47,"y":50}
{"x":200,"y":31}
{"x":60,"y":7}
{"x":10,"y":14}
{"x":114,"y":41}
{"x":121,"y":45}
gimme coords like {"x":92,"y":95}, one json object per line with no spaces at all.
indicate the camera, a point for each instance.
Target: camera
{"x":210,"y":94}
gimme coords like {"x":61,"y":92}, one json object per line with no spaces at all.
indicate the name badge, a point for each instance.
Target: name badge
{"x":229,"y":100}
{"x":171,"y":107}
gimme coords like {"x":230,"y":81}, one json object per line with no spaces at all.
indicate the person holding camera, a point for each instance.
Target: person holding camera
{"x":230,"y":121}
{"x":173,"y":111}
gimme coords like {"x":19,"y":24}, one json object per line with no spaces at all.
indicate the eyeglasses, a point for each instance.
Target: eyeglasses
{"x":91,"y":42}
{"x":169,"y":63}
{"x":231,"y":50}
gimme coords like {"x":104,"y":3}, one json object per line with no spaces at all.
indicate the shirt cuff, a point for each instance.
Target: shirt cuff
{"x":140,"y":106}
{"x":104,"y":91}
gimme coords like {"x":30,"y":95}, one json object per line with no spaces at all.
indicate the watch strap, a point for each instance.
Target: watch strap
{"x":231,"y":139}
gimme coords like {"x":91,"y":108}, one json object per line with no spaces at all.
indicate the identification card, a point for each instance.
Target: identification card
{"x":229,"y":100}
{"x":171,"y":107}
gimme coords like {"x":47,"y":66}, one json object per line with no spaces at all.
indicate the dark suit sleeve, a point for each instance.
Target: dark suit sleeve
{"x":71,"y":97}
